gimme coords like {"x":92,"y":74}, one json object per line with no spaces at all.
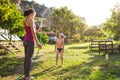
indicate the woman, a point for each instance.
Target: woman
{"x":59,"y":47}
{"x":29,"y":40}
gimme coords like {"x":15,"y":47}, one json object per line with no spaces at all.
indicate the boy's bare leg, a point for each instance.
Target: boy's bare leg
{"x":61,"y":57}
{"x":57,"y":54}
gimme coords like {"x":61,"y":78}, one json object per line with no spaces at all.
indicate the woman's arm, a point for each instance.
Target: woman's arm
{"x":31,"y":23}
{"x":39,"y":29}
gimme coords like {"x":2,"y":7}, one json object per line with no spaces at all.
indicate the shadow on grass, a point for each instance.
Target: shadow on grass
{"x":81,"y":47}
{"x":50,"y":69}
{"x":93,"y":52}
{"x":10,"y":66}
{"x":72,"y":73}
{"x":93,"y":69}
{"x":3,"y":53}
{"x":108,"y":71}
{"x":96,"y":67}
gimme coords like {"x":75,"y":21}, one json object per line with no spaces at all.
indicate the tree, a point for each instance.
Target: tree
{"x":25,"y":4}
{"x":63,"y":20}
{"x":11,"y":18}
{"x":93,"y":32}
{"x":112,"y":25}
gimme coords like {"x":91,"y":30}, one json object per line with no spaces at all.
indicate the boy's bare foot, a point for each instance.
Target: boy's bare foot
{"x":56,"y":65}
{"x":62,"y":65}
{"x":29,"y":78}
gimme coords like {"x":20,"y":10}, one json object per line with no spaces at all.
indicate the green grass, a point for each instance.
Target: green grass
{"x":79,"y":64}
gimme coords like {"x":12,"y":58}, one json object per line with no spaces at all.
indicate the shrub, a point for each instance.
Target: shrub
{"x":43,"y":38}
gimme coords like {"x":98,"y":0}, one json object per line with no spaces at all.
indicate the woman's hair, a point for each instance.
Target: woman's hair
{"x":28,"y":12}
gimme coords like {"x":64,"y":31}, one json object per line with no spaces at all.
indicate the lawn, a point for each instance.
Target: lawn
{"x":79,"y":64}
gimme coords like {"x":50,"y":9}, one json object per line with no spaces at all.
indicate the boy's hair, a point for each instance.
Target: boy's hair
{"x":62,"y":35}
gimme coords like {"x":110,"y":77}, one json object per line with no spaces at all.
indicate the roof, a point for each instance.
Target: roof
{"x":1,"y":38}
{"x":6,"y":37}
{"x":51,"y":33}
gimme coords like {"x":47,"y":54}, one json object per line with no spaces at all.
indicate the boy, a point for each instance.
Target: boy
{"x":59,"y":47}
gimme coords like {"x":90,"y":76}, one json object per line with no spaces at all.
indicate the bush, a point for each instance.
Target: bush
{"x":43,"y":38}
{"x":76,"y":37}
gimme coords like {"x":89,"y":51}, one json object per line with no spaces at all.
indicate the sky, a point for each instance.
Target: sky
{"x":94,"y":11}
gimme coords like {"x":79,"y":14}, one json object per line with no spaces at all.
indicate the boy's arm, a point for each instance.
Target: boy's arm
{"x":55,"y":46}
{"x":63,"y":44}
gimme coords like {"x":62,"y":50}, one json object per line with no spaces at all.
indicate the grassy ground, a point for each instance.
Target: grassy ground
{"x":79,"y":64}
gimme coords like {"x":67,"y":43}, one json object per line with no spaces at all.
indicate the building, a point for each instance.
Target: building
{"x":52,"y":37}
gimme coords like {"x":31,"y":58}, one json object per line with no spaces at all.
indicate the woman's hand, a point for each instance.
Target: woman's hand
{"x":39,"y":45}
{"x":40,"y":28}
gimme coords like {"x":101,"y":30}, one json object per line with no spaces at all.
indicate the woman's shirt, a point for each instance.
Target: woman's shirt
{"x":28,"y":35}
